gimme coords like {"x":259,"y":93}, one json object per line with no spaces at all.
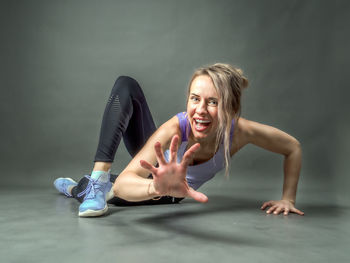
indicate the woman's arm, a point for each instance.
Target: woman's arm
{"x":168,"y":179}
{"x":132,"y":184}
{"x":277,"y":141}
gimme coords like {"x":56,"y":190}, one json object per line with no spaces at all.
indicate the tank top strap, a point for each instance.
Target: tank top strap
{"x":184,"y":125}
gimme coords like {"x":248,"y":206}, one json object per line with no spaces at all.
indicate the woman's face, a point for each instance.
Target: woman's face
{"x":202,"y":108}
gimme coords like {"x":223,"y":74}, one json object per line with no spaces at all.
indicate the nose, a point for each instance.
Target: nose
{"x":201,"y":108}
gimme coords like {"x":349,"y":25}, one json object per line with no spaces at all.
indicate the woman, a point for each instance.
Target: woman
{"x":200,"y":142}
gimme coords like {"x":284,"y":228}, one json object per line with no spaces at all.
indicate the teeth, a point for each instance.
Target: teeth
{"x":202,"y":121}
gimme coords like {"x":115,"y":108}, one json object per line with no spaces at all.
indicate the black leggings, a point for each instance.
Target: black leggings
{"x":126,"y":115}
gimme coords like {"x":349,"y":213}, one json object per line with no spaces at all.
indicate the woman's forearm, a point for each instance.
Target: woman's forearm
{"x":131,"y":187}
{"x":292,"y":166}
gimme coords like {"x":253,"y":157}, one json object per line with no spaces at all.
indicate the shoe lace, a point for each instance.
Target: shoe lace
{"x":91,"y":189}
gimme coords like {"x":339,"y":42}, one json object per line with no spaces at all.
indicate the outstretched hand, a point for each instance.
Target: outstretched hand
{"x":170,"y":177}
{"x":282,"y":205}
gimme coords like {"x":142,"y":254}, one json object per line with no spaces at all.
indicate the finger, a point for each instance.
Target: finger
{"x":159,"y":153}
{"x":198,"y":196}
{"x":297,"y":211}
{"x":173,"y":148}
{"x":278,"y":210}
{"x":266,"y":204}
{"x":146,"y":165}
{"x":271,"y":209}
{"x":286,"y":211}
{"x":186,"y":159}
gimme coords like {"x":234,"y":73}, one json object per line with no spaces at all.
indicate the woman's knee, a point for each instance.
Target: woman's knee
{"x":126,"y":86}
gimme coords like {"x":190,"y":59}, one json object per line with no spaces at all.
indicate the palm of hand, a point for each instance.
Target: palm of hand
{"x":170,"y":178}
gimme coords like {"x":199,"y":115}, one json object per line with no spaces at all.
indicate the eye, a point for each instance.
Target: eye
{"x":213,"y":102}
{"x":193,"y":98}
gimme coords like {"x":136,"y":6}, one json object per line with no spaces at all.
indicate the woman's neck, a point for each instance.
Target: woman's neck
{"x":207,"y":144}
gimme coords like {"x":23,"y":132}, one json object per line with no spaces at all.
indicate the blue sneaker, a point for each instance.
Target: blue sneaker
{"x":96,"y":193}
{"x":62,"y":185}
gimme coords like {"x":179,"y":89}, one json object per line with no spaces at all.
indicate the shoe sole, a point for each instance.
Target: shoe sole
{"x":93,"y":213}
{"x":110,"y":194}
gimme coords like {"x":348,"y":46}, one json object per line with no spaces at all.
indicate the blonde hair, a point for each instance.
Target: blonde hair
{"x":229,"y":83}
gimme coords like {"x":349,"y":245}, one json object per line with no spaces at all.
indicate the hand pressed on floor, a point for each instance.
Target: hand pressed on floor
{"x":282,"y":205}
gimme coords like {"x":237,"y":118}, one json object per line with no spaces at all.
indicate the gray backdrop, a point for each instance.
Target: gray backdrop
{"x":59,"y":60}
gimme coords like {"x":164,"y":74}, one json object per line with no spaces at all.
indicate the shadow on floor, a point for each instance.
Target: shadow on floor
{"x":168,"y":220}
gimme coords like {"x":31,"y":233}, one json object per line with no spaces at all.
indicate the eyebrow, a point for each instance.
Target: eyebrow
{"x":211,"y":98}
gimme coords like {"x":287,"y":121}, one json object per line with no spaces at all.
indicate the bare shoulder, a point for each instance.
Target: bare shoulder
{"x":264,"y":136}
{"x":241,"y":135}
{"x":163,"y":135}
{"x":166,"y":131}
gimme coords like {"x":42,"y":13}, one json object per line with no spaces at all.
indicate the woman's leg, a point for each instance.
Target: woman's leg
{"x":82,"y":184}
{"x":126,"y":115}
{"x":162,"y":201}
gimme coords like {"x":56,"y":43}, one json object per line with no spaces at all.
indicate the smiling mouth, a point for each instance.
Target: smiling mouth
{"x":201,"y":125}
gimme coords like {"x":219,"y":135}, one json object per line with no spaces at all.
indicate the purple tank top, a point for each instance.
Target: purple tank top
{"x":200,"y":173}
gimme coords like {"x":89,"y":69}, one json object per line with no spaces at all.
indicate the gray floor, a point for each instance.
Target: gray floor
{"x":39,"y":225}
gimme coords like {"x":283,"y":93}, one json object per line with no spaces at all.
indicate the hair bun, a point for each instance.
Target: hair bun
{"x":239,"y":71}
{"x":244,"y":80}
